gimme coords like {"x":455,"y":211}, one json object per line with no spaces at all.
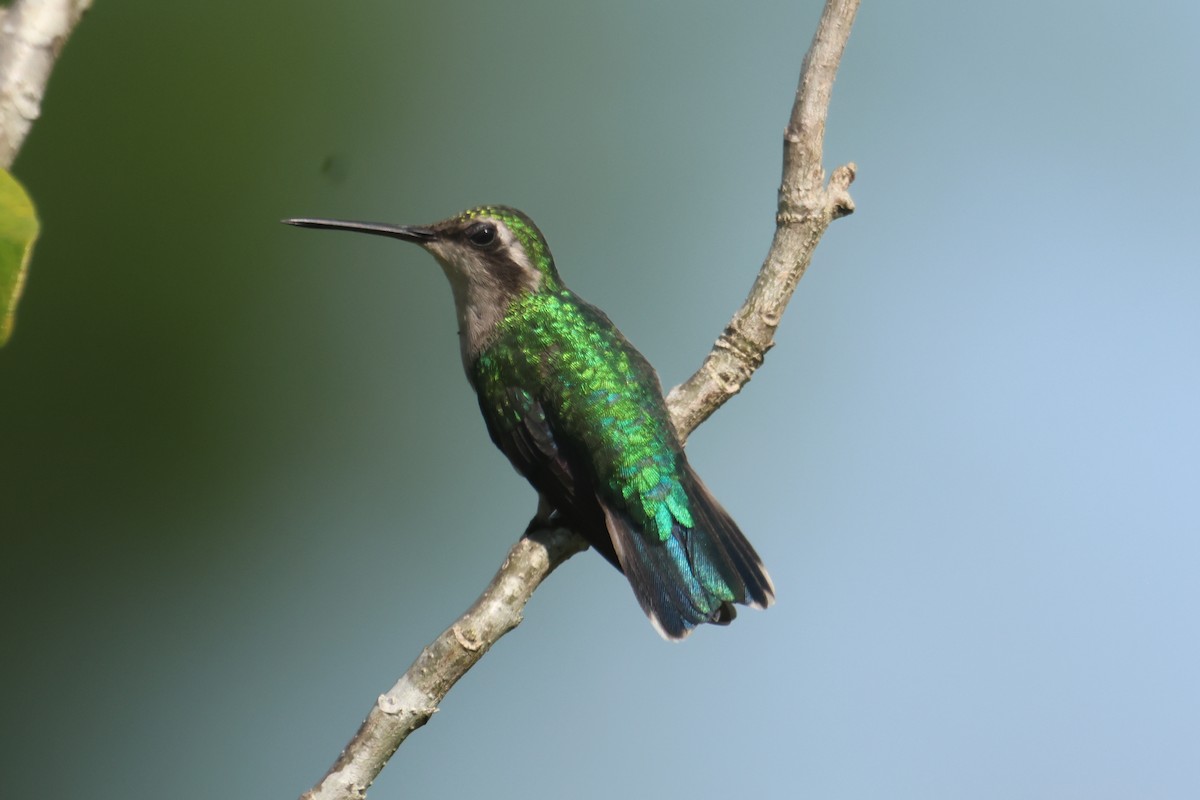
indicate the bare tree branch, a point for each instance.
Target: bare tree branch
{"x":413,"y":700}
{"x":32,"y":34}
{"x":806,"y":208}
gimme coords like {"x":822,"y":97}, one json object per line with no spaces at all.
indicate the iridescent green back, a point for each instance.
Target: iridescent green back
{"x":604,"y":398}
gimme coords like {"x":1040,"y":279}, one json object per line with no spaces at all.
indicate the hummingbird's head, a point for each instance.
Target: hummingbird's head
{"x":495,"y":245}
{"x":491,"y":254}
{"x":489,"y":247}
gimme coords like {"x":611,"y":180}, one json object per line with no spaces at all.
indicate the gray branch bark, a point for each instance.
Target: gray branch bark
{"x":32,"y":34}
{"x":807,"y":205}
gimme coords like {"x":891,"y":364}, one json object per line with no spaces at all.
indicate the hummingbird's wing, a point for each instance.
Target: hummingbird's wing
{"x":521,"y":430}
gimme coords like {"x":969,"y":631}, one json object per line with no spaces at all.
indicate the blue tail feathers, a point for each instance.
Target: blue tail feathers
{"x":696,"y":575}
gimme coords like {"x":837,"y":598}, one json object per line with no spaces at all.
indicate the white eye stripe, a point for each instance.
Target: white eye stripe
{"x":513,"y":248}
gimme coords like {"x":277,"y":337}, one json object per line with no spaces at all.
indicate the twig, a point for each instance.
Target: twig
{"x":806,"y":207}
{"x":413,"y":700}
{"x":32,"y":34}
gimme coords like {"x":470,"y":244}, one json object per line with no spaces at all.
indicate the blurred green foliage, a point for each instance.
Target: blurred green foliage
{"x":18,"y":232}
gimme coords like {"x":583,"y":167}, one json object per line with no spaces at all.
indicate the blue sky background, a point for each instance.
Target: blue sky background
{"x":243,"y":482}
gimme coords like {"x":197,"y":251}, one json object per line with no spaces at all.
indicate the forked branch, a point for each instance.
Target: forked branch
{"x":807,"y":205}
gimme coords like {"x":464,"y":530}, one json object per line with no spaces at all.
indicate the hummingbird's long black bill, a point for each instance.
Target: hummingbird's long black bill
{"x":406,"y":233}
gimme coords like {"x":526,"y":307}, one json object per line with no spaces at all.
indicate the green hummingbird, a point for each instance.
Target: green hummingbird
{"x":580,"y":413}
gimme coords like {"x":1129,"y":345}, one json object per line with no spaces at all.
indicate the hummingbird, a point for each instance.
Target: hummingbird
{"x":580,"y":414}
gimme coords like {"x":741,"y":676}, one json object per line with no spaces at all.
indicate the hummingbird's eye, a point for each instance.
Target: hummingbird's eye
{"x":482,"y":234}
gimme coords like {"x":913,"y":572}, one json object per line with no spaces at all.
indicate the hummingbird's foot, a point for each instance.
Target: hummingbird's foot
{"x":547,"y":516}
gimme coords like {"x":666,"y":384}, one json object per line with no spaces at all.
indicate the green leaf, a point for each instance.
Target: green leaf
{"x":18,"y":231}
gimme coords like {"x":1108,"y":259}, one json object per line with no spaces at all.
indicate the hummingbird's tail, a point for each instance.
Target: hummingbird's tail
{"x":695,"y":575}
